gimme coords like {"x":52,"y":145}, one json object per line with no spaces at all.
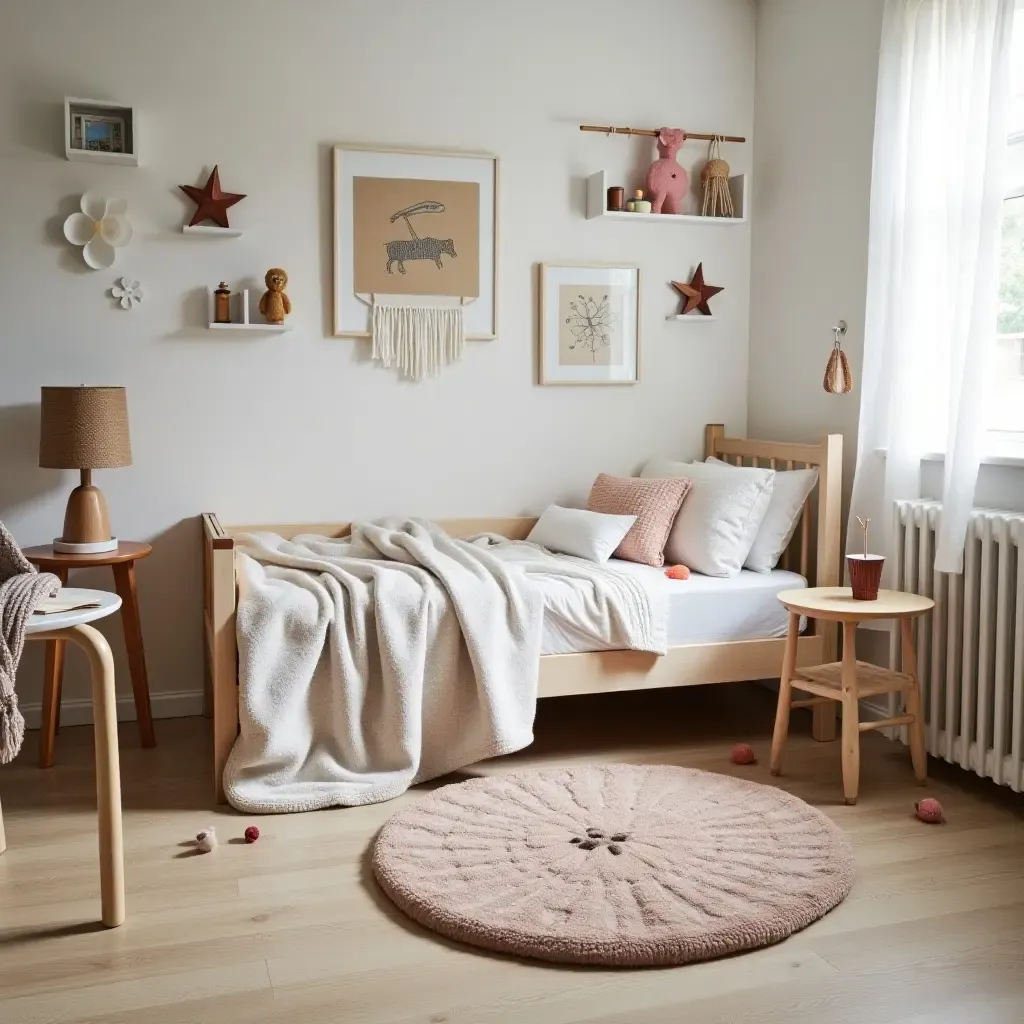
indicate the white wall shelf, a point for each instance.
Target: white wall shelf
{"x":692,"y":316}
{"x":241,"y":310}
{"x":597,"y":201}
{"x":102,"y":108}
{"x":270,"y":328}
{"x":211,"y":231}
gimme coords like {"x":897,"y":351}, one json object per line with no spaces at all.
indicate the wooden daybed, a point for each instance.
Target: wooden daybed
{"x":816,"y":559}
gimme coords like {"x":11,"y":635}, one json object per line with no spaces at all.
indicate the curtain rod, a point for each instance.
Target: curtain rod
{"x":654,"y":131}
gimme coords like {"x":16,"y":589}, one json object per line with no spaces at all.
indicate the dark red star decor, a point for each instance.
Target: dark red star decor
{"x":696,"y":293}
{"x":211,"y":202}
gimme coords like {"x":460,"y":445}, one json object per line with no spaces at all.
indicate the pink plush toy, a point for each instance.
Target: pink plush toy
{"x":666,"y":180}
{"x":930,"y":810}
{"x":743,"y":753}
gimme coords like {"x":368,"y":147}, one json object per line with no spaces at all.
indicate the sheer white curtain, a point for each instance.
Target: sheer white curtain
{"x":936,"y":195}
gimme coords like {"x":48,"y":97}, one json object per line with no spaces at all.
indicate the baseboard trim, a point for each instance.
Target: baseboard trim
{"x":176,"y":704}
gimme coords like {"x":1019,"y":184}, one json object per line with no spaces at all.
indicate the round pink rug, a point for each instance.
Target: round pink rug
{"x":625,"y":865}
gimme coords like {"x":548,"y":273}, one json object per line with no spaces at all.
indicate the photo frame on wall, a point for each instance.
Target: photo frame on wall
{"x":589,"y":324}
{"x":420,"y":224}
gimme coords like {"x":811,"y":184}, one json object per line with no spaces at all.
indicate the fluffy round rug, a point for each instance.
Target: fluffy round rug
{"x":625,"y":865}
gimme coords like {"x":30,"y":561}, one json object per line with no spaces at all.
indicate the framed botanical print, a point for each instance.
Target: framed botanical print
{"x":589,"y":324}
{"x":418,"y":224}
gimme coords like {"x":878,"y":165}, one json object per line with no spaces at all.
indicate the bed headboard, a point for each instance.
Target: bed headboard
{"x":814,"y":557}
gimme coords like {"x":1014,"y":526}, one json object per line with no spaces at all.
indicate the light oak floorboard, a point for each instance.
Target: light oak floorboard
{"x":294,"y":929}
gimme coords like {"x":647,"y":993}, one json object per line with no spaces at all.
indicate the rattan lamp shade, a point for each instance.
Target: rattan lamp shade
{"x":84,"y":428}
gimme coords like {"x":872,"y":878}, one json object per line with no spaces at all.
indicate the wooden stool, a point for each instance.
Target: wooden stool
{"x":849,"y":680}
{"x":71,"y":627}
{"x":122,"y":561}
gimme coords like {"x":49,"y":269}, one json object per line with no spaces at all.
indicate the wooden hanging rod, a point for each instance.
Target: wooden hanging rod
{"x":654,"y":131}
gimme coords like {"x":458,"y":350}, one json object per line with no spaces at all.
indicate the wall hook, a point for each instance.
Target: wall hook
{"x":838,"y":378}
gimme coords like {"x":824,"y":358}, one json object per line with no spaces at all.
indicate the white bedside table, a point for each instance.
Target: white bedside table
{"x":73,"y":626}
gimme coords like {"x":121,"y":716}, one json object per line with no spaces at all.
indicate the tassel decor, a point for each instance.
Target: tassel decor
{"x":418,"y":341}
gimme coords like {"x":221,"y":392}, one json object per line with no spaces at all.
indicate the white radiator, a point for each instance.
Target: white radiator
{"x":970,"y":649}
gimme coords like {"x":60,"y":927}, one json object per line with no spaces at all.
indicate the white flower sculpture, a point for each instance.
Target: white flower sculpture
{"x":102,"y":228}
{"x":129,"y":292}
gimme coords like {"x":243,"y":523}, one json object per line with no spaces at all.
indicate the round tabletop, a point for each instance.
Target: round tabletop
{"x":104,"y":604}
{"x":837,"y":604}
{"x":126,"y":551}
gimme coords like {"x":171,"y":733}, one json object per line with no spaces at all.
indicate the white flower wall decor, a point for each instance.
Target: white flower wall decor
{"x":101,"y":228}
{"x":128,"y":292}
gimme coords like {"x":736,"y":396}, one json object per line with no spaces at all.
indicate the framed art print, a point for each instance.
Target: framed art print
{"x":589,"y":324}
{"x":414,"y":223}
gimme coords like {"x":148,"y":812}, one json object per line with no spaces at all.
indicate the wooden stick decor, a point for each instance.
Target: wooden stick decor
{"x":654,"y":132}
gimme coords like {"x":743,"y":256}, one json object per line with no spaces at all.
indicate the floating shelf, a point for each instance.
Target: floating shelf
{"x":101,"y":109}
{"x":597,"y":200}
{"x":241,"y":302}
{"x":692,"y":316}
{"x":272,"y":328}
{"x":211,"y":231}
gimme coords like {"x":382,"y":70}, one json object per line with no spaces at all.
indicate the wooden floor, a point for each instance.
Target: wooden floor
{"x":293,"y":928}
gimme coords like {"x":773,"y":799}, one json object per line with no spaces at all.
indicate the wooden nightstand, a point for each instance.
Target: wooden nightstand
{"x":849,"y":680}
{"x":122,"y":561}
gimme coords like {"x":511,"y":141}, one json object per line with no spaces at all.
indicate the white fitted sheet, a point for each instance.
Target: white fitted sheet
{"x":701,"y":610}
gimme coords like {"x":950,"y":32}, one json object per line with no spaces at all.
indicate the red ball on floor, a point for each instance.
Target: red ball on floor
{"x":930,"y":810}
{"x":743,"y":753}
{"x":252,"y":833}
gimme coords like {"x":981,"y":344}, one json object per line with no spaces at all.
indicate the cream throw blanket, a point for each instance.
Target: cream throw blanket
{"x":371,"y":664}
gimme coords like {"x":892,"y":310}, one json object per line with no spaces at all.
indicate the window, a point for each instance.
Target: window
{"x":1006,"y":421}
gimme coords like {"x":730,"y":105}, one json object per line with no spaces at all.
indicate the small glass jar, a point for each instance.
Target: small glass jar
{"x":222,"y":304}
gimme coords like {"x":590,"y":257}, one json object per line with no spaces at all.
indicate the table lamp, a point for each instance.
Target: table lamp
{"x":84,"y":428}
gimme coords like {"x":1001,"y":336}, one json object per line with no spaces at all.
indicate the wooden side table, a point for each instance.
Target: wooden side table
{"x":122,"y":562}
{"x":849,"y":680}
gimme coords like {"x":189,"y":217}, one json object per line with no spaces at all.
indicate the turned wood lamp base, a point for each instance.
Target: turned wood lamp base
{"x":86,"y":521}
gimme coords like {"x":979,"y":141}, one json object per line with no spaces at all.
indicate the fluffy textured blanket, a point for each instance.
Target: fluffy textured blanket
{"x":370,"y":664}
{"x":21,"y":589}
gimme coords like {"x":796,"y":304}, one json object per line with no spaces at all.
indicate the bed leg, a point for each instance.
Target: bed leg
{"x":221,"y":645}
{"x":823,"y":723}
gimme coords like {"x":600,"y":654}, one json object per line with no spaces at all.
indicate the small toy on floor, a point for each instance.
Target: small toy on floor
{"x":252,"y":833}
{"x":743,"y":753}
{"x":206,"y":840}
{"x":929,"y":810}
{"x":677,"y":572}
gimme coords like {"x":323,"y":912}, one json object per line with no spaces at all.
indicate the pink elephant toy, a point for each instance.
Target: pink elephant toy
{"x":666,"y":180}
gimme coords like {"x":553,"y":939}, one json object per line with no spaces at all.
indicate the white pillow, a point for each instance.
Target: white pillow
{"x":716,"y":526}
{"x":575,"y":531}
{"x":792,"y":486}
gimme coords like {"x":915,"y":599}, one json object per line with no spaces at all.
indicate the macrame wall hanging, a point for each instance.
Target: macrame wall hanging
{"x":417,"y":338}
{"x":418,"y":341}
{"x":715,"y":178}
{"x":838,"y":378}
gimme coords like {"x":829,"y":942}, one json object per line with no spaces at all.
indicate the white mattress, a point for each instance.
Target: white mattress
{"x":701,"y":610}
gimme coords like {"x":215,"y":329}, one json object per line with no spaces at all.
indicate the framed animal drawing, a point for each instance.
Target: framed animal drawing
{"x":419,"y":225}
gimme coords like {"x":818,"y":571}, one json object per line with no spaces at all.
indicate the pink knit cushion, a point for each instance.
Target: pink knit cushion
{"x":655,"y":503}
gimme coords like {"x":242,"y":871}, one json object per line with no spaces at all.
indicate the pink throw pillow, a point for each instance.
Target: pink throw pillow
{"x":654,"y":502}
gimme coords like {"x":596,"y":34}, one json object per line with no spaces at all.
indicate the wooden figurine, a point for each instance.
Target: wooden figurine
{"x":696,"y":293}
{"x":275,"y":304}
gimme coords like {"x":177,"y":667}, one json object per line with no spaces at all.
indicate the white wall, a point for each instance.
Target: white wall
{"x":817,"y":62}
{"x":817,"y":66}
{"x":302,"y":426}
